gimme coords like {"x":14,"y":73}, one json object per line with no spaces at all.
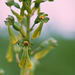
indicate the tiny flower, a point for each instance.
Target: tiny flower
{"x":25,"y":43}
{"x":42,"y":17}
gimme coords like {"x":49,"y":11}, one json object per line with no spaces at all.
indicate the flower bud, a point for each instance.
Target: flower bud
{"x":52,"y":42}
{"x":44,"y":44}
{"x":16,"y":26}
{"x":11,"y":17}
{"x":10,"y":20}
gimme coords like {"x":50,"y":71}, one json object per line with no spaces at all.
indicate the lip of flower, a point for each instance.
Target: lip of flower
{"x":26,"y":43}
{"x":42,"y":17}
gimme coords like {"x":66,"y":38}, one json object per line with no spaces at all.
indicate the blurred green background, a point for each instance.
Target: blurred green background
{"x":60,"y":61}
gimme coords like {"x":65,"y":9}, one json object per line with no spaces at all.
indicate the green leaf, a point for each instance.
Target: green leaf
{"x":16,"y":5}
{"x":45,"y":20}
{"x":37,"y":31}
{"x":42,"y":53}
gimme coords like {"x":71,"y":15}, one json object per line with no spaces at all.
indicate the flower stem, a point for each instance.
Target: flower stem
{"x":28,"y":28}
{"x":23,"y":70}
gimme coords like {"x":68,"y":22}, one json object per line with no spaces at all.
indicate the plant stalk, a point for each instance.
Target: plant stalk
{"x":23,"y":70}
{"x":28,"y":28}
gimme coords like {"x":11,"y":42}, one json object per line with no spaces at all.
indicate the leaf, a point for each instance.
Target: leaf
{"x":16,"y":5}
{"x":42,"y":53}
{"x":37,"y":31}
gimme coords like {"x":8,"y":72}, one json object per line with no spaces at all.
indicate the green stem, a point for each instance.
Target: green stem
{"x":23,"y":70}
{"x":28,"y":27}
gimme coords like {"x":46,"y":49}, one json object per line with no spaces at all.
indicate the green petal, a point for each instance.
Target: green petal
{"x":37,"y":31}
{"x":9,"y":55}
{"x":23,"y":58}
{"x":12,"y":35}
{"x":45,"y":20}
{"x":42,"y":53}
